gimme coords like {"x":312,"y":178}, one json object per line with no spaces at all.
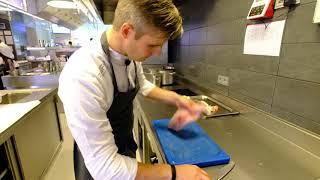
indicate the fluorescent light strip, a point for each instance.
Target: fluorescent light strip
{"x":19,"y":10}
{"x":35,"y":48}
{"x":63,"y":4}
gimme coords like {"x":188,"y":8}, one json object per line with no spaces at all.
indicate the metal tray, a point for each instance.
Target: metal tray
{"x":223,"y":110}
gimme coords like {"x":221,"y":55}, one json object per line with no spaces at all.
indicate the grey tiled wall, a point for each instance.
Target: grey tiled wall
{"x":287,"y":86}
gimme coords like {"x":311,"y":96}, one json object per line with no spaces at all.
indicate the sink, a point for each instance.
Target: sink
{"x":13,"y":97}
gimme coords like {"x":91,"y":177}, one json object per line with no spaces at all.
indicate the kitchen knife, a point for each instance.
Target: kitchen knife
{"x":225,"y":170}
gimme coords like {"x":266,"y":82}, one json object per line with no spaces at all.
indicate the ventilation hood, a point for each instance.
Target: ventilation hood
{"x":69,"y":18}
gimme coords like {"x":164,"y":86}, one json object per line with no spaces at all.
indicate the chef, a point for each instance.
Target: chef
{"x":97,"y":87}
{"x":6,"y":62}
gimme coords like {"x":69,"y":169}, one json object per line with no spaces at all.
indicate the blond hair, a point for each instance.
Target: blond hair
{"x":161,"y":14}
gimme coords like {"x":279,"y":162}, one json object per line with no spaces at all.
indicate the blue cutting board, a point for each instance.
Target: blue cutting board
{"x":191,"y":145}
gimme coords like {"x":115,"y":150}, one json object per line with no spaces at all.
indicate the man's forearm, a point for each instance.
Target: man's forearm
{"x":153,"y":172}
{"x":163,"y":95}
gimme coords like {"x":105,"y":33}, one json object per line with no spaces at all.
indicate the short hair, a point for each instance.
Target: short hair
{"x":161,"y":14}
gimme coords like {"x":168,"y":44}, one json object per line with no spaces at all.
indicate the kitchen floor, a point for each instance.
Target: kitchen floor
{"x":62,"y":167}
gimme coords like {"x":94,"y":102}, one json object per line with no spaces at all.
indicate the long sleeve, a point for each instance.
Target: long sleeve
{"x":86,"y":98}
{"x":145,"y":85}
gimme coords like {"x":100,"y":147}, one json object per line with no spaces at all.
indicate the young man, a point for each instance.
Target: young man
{"x":6,"y":61}
{"x":99,"y":83}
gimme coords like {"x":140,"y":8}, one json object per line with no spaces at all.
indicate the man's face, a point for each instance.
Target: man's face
{"x":147,"y":45}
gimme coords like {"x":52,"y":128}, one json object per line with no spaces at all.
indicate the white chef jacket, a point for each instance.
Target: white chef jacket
{"x":6,"y":50}
{"x":86,"y":90}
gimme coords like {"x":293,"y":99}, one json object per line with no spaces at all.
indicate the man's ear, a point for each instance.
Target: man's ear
{"x":126,"y":30}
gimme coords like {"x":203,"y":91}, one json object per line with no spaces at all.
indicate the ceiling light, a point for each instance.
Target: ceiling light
{"x":4,"y":9}
{"x":63,"y":4}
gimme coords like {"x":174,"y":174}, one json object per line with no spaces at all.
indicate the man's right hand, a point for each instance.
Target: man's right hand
{"x":192,"y":172}
{"x":163,"y":171}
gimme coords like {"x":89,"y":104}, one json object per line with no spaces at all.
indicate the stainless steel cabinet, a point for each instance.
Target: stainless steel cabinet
{"x":147,"y":146}
{"x":38,"y":140}
{"x":9,"y":168}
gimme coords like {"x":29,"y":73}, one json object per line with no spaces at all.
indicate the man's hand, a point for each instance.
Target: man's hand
{"x":189,"y":111}
{"x":163,"y":171}
{"x":186,"y":172}
{"x":185,"y":103}
{"x":181,"y":118}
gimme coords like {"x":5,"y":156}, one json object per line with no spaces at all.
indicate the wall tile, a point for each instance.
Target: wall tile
{"x":300,"y":97}
{"x":183,"y":55}
{"x":222,"y":55}
{"x":255,"y":85}
{"x":185,"y":38}
{"x":197,"y":36}
{"x":299,"y":26}
{"x":193,"y":70}
{"x":251,"y":101}
{"x":196,"y":12}
{"x":263,"y":64}
{"x":301,"y":61}
{"x":307,"y":1}
{"x":232,"y":56}
{"x":230,"y":32}
{"x":298,"y":120}
{"x":223,"y":11}
{"x":197,"y":53}
{"x":210,"y":77}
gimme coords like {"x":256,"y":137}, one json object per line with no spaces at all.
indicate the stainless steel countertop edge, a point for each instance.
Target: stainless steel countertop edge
{"x":38,"y":94}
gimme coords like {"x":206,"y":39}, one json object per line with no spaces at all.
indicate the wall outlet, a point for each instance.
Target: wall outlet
{"x":279,"y":4}
{"x":223,"y":80}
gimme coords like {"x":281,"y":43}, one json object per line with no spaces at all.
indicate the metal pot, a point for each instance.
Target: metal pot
{"x":169,"y":67}
{"x":154,"y":78}
{"x":167,"y":77}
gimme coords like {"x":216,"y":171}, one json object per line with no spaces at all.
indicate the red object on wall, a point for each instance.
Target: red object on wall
{"x":270,"y":10}
{"x":260,"y":11}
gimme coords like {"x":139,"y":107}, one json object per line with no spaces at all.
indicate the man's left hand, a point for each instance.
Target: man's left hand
{"x":188,"y":111}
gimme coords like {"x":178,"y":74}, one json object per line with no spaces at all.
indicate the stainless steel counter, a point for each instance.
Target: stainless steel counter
{"x":36,"y":135}
{"x":262,"y":146}
{"x":35,"y":81}
{"x":33,"y":94}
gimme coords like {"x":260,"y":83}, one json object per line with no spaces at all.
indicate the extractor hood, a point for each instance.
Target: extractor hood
{"x":69,"y":18}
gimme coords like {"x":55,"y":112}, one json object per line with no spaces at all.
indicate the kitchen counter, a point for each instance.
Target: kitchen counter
{"x":36,"y":134}
{"x":31,"y":95}
{"x":262,"y":146}
{"x":44,"y":80}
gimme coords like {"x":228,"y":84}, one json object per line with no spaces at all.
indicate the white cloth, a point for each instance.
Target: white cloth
{"x":86,"y":90}
{"x":6,"y":50}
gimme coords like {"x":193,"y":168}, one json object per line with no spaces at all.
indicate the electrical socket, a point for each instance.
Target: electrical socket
{"x":223,"y":80}
{"x":279,"y":4}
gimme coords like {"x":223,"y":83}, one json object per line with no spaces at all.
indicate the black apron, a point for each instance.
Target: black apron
{"x":120,"y":116}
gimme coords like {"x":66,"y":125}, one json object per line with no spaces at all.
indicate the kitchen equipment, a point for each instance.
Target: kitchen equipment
{"x":191,"y":145}
{"x":225,"y":170}
{"x":169,"y":67}
{"x":167,"y":77}
{"x":223,"y":110}
{"x":154,"y":78}
{"x":261,"y":9}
